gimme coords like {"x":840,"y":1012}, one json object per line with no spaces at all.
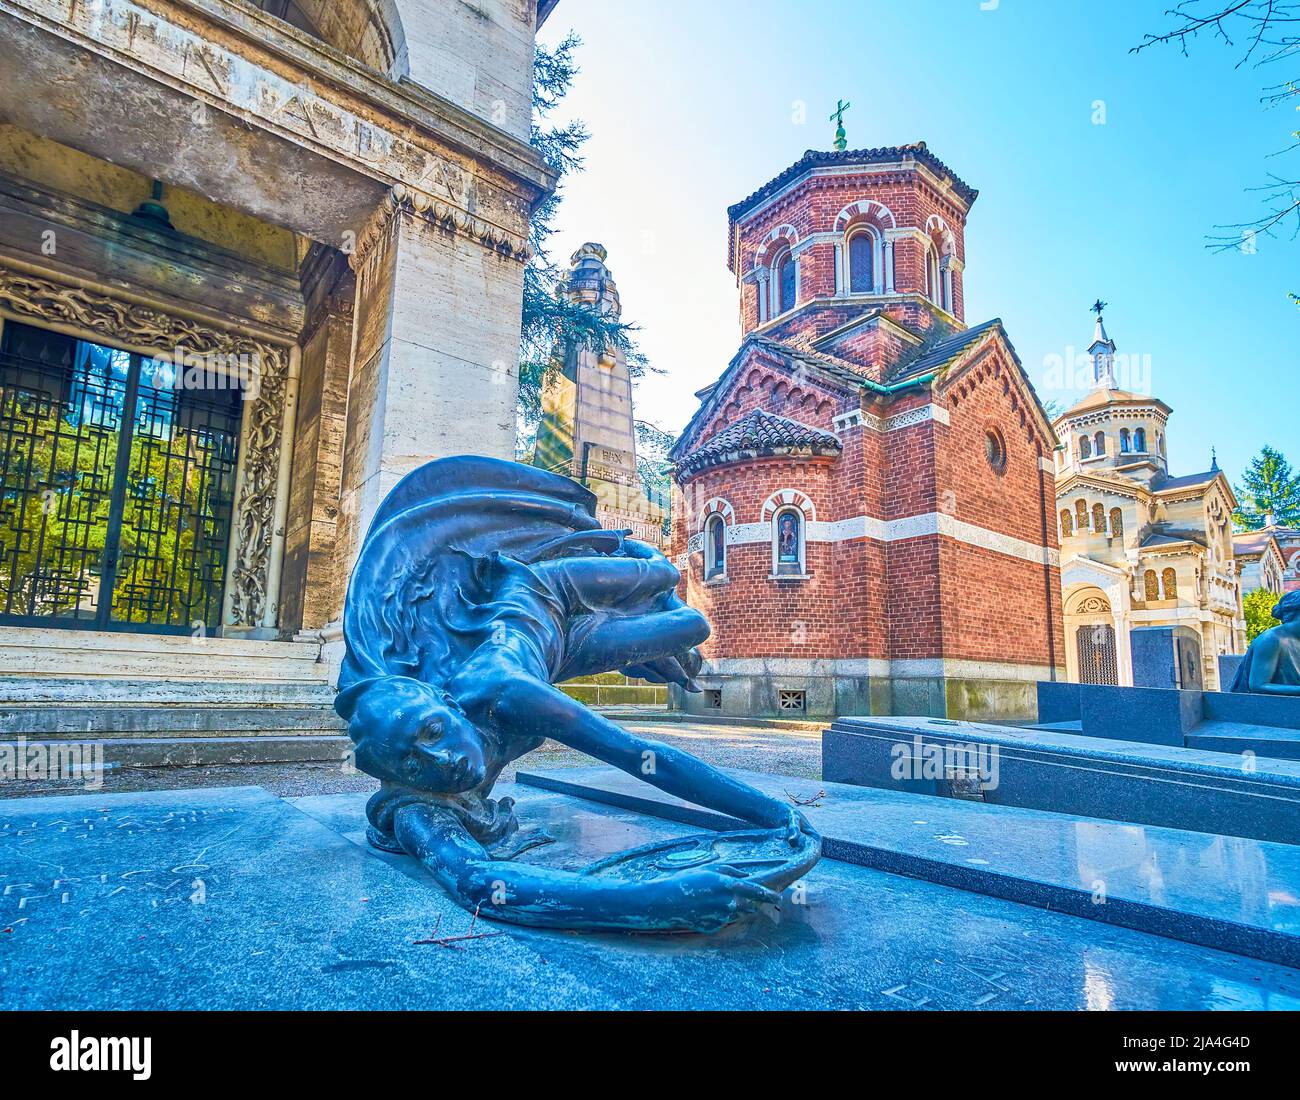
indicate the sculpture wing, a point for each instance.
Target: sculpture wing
{"x":421,"y":565}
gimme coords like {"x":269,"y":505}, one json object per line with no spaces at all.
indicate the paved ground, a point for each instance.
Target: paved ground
{"x":778,"y":751}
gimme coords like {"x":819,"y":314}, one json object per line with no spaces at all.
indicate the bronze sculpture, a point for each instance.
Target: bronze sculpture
{"x":480,"y":584}
{"x":1272,"y":664}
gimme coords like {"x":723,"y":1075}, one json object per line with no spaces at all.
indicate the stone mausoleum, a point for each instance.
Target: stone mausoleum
{"x":257,"y":261}
{"x":1139,"y":547}
{"x":864,"y":506}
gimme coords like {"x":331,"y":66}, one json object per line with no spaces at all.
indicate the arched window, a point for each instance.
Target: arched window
{"x":784,"y":282}
{"x":1169,"y":579}
{"x":1099,"y":443}
{"x":290,"y":13}
{"x":1067,"y":524}
{"x":1125,"y":441}
{"x":1160,"y":444}
{"x":788,"y":542}
{"x":1081,"y":514}
{"x":1085,"y":447}
{"x":931,"y":275}
{"x":715,"y":548}
{"x":1116,"y":523}
{"x":1099,"y":519}
{"x":1140,"y":440}
{"x":862,"y":276}
{"x":1151,"y":585}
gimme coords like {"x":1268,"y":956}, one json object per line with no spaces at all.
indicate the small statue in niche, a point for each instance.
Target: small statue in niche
{"x":1272,"y":664}
{"x":480,"y":585}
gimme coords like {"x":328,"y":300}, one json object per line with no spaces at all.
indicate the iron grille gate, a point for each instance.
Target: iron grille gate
{"x":116,"y":487}
{"x":1097,"y":664}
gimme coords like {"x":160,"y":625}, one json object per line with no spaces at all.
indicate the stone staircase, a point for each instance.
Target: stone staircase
{"x":171,"y":702}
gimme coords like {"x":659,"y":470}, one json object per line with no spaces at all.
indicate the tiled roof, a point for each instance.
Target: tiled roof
{"x":941,"y":353}
{"x":819,"y":158}
{"x":1100,"y":398}
{"x":1249,"y":543}
{"x":760,"y":433}
{"x":1185,"y":481}
{"x":1169,"y":538}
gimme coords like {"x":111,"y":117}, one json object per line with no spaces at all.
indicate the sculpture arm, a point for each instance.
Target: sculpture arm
{"x":703,"y":900}
{"x":528,"y":707}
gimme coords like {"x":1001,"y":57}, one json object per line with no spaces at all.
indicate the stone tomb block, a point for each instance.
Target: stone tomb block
{"x":1166,"y":657}
{"x":234,"y":899}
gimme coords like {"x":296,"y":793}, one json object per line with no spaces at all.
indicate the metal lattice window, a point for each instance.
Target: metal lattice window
{"x":790,"y":700}
{"x":116,"y":487}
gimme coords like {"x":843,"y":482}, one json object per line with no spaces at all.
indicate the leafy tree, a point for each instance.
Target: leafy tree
{"x":1258,"y":606}
{"x":1269,"y":485}
{"x":549,"y":321}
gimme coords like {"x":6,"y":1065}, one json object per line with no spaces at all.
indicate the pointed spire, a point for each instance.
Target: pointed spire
{"x":1214,"y":460}
{"x":1102,"y":350}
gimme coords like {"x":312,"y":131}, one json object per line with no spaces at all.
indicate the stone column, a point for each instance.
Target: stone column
{"x":435,"y":351}
{"x":312,"y":590}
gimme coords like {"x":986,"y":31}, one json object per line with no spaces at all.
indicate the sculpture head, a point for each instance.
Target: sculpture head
{"x":413,"y":734}
{"x":1287,"y":609}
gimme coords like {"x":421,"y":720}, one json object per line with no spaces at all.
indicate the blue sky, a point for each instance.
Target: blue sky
{"x":694,"y":105}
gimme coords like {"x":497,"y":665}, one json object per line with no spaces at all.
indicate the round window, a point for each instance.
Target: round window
{"x":995,"y":450}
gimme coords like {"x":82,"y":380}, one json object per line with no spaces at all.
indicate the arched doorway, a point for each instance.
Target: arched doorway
{"x":1097,"y":656}
{"x":1089,"y":613}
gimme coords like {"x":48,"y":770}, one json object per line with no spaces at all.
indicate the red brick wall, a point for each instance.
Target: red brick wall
{"x":922,"y":597}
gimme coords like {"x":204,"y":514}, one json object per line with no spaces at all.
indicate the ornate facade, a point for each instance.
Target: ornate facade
{"x":1139,"y":547}
{"x":863,"y":503}
{"x":257,"y":261}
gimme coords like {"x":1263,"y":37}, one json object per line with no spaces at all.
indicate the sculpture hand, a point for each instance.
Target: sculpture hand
{"x":706,"y":899}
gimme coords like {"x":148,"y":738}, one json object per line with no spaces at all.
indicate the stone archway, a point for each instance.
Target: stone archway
{"x":368,"y":31}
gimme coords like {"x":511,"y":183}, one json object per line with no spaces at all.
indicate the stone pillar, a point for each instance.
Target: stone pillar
{"x":841,"y":283}
{"x":435,"y":352}
{"x":312,"y":589}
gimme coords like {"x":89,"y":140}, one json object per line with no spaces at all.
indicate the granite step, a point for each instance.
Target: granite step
{"x":1241,"y":737}
{"x":92,"y":690}
{"x":1226,"y":893}
{"x":81,"y":654}
{"x":45,"y":721}
{"x":1173,"y":786}
{"x":190,"y":752}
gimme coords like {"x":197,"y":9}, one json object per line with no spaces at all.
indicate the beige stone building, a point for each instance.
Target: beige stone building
{"x":257,"y":261}
{"x":1261,"y":560}
{"x":588,"y":430}
{"x":1139,"y":546}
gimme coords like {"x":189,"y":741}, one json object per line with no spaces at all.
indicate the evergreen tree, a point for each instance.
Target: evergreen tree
{"x":549,"y":321}
{"x":1269,"y":486}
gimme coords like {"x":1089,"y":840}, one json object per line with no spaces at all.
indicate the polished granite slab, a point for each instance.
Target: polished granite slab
{"x":1171,"y":786}
{"x":231,"y":898}
{"x":1230,"y":893}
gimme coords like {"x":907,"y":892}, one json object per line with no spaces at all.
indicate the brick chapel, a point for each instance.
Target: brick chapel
{"x":864,"y":503}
